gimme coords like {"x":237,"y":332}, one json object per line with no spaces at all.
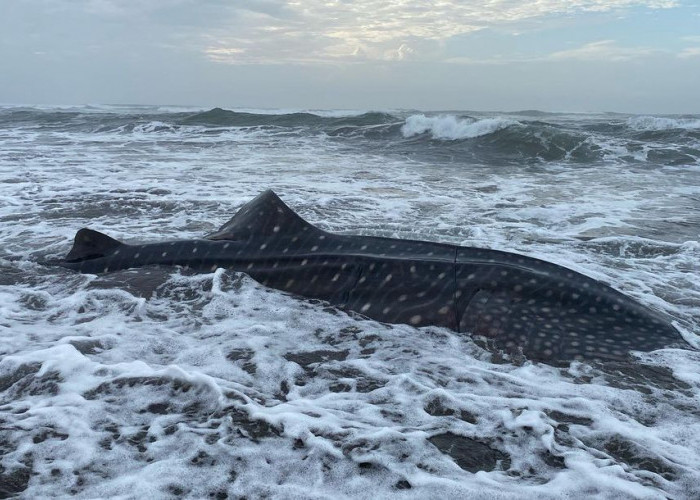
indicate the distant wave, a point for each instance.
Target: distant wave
{"x":511,"y":138}
{"x":654,"y":123}
{"x":227,"y":118}
{"x":449,"y":127}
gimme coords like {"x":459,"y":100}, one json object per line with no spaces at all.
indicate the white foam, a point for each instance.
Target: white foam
{"x":450,"y":127}
{"x":662,"y":123}
{"x":196,"y":390}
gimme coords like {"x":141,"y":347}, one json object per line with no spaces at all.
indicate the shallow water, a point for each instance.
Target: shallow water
{"x":155,"y":382}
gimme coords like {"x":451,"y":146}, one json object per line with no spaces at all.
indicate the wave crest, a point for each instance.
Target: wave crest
{"x":226,"y":118}
{"x":653,"y":123}
{"x":449,"y":127}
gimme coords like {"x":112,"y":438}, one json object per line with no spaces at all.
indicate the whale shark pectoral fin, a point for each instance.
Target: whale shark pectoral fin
{"x":89,"y":244}
{"x":265,"y":216}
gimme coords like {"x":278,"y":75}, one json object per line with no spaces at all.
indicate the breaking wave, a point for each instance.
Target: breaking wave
{"x":450,"y":127}
{"x":524,"y":137}
{"x":653,"y":123}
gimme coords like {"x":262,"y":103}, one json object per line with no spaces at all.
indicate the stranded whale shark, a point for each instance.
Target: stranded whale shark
{"x":524,"y":305}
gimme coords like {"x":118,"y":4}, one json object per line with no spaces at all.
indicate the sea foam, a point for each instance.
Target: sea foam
{"x":662,"y":123}
{"x":158,"y":384}
{"x":450,"y":127}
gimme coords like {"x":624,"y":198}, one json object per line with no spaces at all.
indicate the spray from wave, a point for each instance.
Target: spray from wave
{"x":449,"y":127}
{"x":654,"y":123}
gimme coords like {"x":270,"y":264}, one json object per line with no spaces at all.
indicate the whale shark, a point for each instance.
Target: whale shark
{"x":517,"y":304}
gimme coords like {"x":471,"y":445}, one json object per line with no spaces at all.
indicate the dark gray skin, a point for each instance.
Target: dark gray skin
{"x":520,"y":304}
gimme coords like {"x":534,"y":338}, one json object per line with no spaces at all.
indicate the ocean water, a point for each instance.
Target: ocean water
{"x":160,"y":384}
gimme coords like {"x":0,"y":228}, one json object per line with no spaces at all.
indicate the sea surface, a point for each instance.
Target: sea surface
{"x":157,"y":383}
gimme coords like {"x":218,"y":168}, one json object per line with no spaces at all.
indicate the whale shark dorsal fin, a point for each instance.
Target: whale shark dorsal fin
{"x":89,"y":244}
{"x":264,"y":216}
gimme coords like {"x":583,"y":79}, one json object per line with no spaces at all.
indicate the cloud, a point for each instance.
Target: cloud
{"x":346,"y":30}
{"x":603,"y":50}
{"x":689,"y":52}
{"x":293,"y":31}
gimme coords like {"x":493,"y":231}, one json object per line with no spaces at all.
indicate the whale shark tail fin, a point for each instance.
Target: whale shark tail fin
{"x":89,"y":244}
{"x":265,"y":216}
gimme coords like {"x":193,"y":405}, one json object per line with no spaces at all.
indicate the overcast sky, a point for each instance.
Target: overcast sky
{"x":638,"y":56}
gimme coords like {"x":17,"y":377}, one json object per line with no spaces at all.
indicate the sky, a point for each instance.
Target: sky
{"x":637,"y":56}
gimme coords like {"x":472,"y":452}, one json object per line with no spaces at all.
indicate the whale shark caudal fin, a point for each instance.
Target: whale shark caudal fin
{"x":265,"y":216}
{"x":89,"y":244}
